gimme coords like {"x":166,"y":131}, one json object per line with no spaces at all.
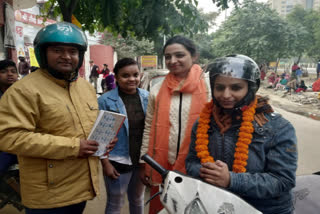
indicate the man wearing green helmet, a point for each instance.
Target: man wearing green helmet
{"x":45,"y":119}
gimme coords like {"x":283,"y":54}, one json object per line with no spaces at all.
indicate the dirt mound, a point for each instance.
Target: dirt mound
{"x":303,"y":103}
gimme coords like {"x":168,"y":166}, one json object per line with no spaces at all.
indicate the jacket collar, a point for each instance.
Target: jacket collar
{"x":114,"y":94}
{"x":62,"y":83}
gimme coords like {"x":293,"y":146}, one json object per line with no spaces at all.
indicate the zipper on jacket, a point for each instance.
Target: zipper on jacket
{"x":179,"y":133}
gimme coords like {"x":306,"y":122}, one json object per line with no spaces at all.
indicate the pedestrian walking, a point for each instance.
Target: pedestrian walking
{"x":299,"y":75}
{"x":121,"y":167}
{"x":105,"y":72}
{"x":294,"y":68}
{"x":174,"y":105}
{"x":94,"y":74}
{"x":240,"y":144}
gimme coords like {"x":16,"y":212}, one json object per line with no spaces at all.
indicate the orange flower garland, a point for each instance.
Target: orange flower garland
{"x":242,"y":145}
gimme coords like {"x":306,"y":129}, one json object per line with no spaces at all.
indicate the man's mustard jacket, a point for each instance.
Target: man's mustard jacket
{"x":42,"y":120}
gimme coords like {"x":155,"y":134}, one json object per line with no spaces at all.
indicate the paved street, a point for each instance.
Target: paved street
{"x":97,"y":205}
{"x":308,"y":135}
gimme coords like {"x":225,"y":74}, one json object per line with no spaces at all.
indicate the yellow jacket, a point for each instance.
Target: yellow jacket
{"x":42,"y":120}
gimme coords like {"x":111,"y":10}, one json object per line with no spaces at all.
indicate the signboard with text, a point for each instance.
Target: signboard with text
{"x":32,"y":19}
{"x":33,"y":59}
{"x":20,"y":39}
{"x":149,"y":61}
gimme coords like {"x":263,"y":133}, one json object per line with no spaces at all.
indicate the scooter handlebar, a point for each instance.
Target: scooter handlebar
{"x":155,"y":165}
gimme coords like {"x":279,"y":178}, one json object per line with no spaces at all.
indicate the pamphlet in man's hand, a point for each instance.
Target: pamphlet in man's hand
{"x":105,"y":128}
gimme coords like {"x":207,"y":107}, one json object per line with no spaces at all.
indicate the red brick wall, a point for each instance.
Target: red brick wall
{"x":102,"y":54}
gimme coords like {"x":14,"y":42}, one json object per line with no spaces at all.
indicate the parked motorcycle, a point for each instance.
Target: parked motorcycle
{"x":10,"y":188}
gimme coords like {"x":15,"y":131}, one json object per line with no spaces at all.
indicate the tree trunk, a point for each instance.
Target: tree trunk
{"x":299,"y":58}
{"x":67,"y":10}
{"x":278,"y":61}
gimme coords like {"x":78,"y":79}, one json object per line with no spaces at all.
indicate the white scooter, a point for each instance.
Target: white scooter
{"x":307,"y":194}
{"x":183,"y":194}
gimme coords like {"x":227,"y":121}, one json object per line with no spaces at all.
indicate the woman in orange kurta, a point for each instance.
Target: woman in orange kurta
{"x":173,"y":107}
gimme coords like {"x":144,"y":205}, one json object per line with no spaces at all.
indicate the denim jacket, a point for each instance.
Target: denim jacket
{"x":111,"y":101}
{"x":271,"y":168}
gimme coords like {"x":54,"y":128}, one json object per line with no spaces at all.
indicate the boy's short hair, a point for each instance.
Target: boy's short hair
{"x":6,"y":63}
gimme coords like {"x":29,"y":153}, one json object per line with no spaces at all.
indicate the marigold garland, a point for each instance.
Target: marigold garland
{"x":242,"y":145}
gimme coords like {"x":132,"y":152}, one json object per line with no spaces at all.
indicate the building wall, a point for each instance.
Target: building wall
{"x":316,"y":5}
{"x":102,"y":54}
{"x":284,"y":7}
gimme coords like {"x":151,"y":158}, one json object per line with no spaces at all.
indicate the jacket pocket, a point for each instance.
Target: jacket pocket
{"x":55,"y":170}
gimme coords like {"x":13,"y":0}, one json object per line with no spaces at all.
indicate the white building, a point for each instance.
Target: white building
{"x":284,"y":7}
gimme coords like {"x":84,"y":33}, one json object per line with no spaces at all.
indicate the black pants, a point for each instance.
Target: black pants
{"x":72,"y":209}
{"x":103,"y":85}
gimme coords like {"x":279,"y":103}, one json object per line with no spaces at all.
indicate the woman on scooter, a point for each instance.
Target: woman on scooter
{"x":240,"y":144}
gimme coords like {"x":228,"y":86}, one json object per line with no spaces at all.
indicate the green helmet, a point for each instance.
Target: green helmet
{"x":63,"y":33}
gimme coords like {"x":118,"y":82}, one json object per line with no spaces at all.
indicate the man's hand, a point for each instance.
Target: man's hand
{"x":111,"y":145}
{"x":216,"y":173}
{"x":109,"y":170}
{"x":87,"y":148}
{"x":142,"y":174}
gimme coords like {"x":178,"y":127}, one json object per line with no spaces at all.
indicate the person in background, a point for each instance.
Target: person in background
{"x":23,"y":66}
{"x":240,"y":144}
{"x":318,"y":69}
{"x":105,"y":72}
{"x":121,"y":167}
{"x":263,"y":69}
{"x":94,"y":74}
{"x":301,"y":87}
{"x":271,"y":80}
{"x":276,"y":81}
{"x":8,"y":76}
{"x":282,"y":83}
{"x":298,"y":75}
{"x":294,"y":69}
{"x":174,"y":104}
{"x":110,"y":83}
{"x":292,"y":84}
{"x":45,"y":119}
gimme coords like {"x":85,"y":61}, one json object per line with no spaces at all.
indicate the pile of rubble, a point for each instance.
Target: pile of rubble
{"x":304,"y":98}
{"x":303,"y":103}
